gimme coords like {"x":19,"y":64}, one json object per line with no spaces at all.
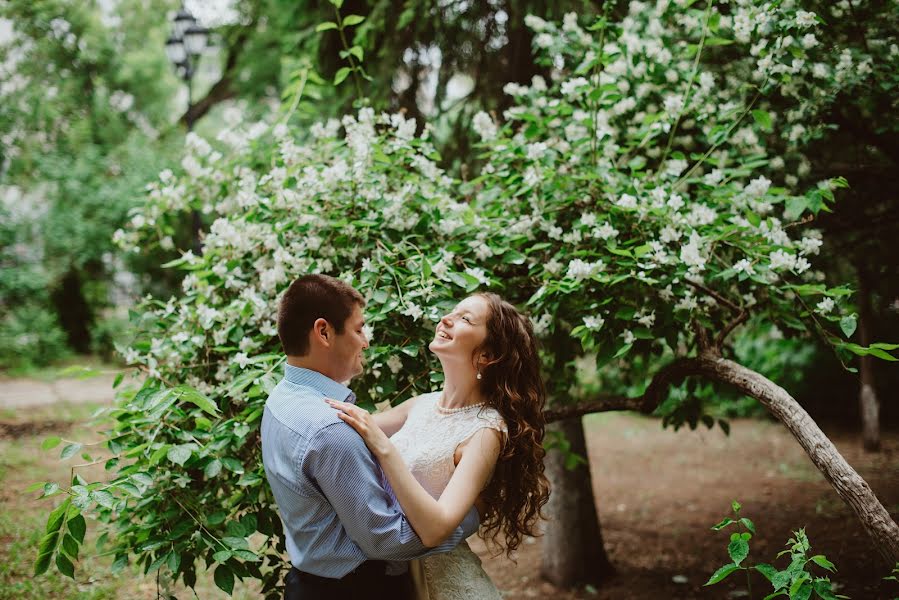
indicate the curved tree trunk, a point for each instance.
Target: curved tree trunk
{"x":849,"y":485}
{"x":572,"y":550}
{"x":869,"y":406}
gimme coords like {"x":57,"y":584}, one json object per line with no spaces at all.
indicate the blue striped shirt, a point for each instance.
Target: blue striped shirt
{"x":336,"y":505}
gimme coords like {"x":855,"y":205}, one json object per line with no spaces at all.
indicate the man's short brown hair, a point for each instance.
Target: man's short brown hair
{"x":309,"y":298}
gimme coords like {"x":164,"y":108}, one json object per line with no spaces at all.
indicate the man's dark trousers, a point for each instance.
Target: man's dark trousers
{"x":368,"y":582}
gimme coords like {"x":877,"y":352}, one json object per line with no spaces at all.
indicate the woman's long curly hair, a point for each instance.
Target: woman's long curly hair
{"x":511,"y":384}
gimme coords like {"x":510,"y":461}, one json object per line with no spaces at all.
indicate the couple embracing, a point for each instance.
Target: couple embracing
{"x":379,"y":506}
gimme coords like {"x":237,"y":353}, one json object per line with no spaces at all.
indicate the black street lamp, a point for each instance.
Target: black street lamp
{"x":184,"y":47}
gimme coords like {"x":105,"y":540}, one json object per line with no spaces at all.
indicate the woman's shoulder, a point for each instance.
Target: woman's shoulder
{"x":492,"y":419}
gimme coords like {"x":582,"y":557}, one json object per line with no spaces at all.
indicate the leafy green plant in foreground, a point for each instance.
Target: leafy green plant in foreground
{"x":795,"y":581}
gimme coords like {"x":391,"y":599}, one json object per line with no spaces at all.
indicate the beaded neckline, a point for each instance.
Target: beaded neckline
{"x":451,"y":411}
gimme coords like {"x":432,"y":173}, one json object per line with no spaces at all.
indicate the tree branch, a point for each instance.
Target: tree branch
{"x":722,"y":335}
{"x":222,"y":89}
{"x":714,"y":295}
{"x":671,"y":374}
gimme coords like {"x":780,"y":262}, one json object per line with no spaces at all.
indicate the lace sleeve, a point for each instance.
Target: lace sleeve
{"x":487,"y":418}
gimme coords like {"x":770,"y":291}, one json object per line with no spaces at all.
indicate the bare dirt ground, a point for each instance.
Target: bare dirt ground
{"x":658,"y":493}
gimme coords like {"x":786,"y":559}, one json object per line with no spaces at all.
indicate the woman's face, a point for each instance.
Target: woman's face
{"x":460,"y":332}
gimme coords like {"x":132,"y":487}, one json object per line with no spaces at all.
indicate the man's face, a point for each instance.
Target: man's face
{"x":348,"y":346}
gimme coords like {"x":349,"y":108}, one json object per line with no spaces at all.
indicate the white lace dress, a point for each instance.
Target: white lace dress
{"x":427,"y":443}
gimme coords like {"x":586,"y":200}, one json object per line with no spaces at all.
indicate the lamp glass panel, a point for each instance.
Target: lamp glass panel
{"x":174,"y":48}
{"x":183,"y":21}
{"x":195,"y":40}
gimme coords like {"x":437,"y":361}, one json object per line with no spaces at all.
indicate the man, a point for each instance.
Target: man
{"x":341,"y":520}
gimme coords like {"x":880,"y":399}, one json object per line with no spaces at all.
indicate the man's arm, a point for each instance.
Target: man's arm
{"x":343,"y":468}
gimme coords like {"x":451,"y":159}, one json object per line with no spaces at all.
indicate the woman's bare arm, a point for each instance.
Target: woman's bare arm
{"x":391,"y":420}
{"x":433,"y":520}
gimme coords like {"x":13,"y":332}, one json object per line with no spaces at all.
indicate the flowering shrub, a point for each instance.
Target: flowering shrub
{"x":627,"y":203}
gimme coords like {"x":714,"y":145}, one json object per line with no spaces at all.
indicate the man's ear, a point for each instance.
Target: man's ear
{"x":321,"y":332}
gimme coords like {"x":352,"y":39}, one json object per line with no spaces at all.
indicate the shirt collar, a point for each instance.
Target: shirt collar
{"x":320,"y":383}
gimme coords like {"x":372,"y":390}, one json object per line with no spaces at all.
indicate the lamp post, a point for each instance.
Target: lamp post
{"x":184,"y":47}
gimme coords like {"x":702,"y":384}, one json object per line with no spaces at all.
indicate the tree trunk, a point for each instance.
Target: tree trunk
{"x":869,"y":406}
{"x":572,"y":549}
{"x":849,"y":485}
{"x":75,"y":313}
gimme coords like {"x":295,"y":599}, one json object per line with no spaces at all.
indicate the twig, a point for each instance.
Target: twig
{"x":722,"y":335}
{"x":715,"y":295}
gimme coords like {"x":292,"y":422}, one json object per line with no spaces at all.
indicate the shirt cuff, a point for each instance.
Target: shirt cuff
{"x":470,"y":523}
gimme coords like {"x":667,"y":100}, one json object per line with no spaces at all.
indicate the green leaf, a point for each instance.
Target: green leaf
{"x":848,"y":324}
{"x":623,"y":350}
{"x":821,"y":561}
{"x":103,"y":498}
{"x":120,"y":562}
{"x":883,"y":346}
{"x":748,"y":524}
{"x":797,"y":585}
{"x":342,"y":74}
{"x":69,"y":451}
{"x":795,"y":206}
{"x":50,"y":442}
{"x":45,"y":553}
{"x":336,"y":3}
{"x":54,"y":521}
{"x":763,"y":118}
{"x":357,"y":52}
{"x":721,"y":573}
{"x":247,"y":555}
{"x":738,"y":550}
{"x":65,"y":566}
{"x":70,"y":546}
{"x":236,"y":543}
{"x":350,"y":20}
{"x":189,"y":394}
{"x":213,"y":468}
{"x":222,"y":556}
{"x":722,"y":524}
{"x":179,"y":454}
{"x":77,"y":527}
{"x":224,"y":577}
{"x":233,"y":465}
{"x":736,"y":506}
{"x":160,"y":560}
{"x":174,"y":561}
{"x":882,"y":355}
{"x":803,"y":592}
{"x":326,"y":26}
{"x":50,"y":489}
{"x":725,"y":426}
{"x":767,"y":570}
{"x":824,"y":590}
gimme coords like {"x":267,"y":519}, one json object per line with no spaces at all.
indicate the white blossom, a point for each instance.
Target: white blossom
{"x":484,"y":126}
{"x":805,"y":18}
{"x":825,"y":306}
{"x":744,"y":266}
{"x":242,"y":359}
{"x":413,"y":310}
{"x":782,"y":260}
{"x":395,"y":364}
{"x":579,"y":269}
{"x":594,"y":323}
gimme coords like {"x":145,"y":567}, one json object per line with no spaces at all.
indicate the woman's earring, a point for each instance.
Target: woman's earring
{"x":479,"y":375}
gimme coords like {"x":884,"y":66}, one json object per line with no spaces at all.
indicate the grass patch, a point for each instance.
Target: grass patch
{"x":23,"y":519}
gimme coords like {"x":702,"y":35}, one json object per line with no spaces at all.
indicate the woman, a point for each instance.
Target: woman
{"x":480,"y":438}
